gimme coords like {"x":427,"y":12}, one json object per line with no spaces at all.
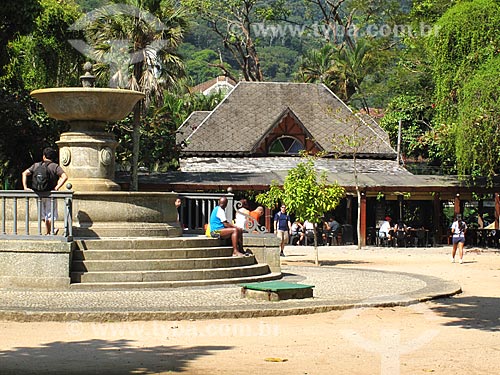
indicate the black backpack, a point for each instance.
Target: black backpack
{"x":42,"y":179}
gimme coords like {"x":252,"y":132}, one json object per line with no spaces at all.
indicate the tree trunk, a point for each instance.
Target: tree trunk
{"x":136,"y":135}
{"x":358,"y":193}
{"x":316,"y":250}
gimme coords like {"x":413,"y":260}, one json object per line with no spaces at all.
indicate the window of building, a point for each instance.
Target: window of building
{"x":286,"y":145}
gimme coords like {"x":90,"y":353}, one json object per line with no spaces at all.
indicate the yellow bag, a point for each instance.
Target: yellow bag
{"x":207,"y":230}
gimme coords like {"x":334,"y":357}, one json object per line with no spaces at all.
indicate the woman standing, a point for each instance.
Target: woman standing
{"x":458,"y":229}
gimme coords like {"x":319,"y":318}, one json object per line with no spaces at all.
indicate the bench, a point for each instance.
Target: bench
{"x":276,"y":290}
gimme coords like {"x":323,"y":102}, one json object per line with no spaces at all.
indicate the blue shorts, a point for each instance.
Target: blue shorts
{"x":458,"y":239}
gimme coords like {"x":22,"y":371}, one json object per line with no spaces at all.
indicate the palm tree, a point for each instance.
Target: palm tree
{"x":135,"y":44}
{"x":342,"y":68}
{"x":318,"y":65}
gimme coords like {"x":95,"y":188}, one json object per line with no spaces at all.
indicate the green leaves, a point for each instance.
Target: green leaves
{"x":305,"y":192}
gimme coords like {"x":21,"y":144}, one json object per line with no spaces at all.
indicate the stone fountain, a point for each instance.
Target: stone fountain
{"x":120,"y":239}
{"x":87,"y":154}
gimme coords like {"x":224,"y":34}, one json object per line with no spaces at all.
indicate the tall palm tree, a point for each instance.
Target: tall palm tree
{"x":318,"y":65}
{"x":342,"y":68}
{"x":135,"y":44}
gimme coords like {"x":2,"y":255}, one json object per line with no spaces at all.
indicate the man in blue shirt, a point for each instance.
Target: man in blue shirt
{"x":221,"y":228}
{"x":282,"y":227}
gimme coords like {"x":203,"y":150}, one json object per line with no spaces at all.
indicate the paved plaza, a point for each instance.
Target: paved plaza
{"x":335,"y":288}
{"x":196,"y":334}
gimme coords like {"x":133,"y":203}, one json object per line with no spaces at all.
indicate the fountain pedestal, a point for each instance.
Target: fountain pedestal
{"x":87,"y":155}
{"x":87,"y":152}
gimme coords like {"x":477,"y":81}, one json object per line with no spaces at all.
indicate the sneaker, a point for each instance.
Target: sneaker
{"x":460,"y":261}
{"x":282,"y":254}
{"x":452,"y":260}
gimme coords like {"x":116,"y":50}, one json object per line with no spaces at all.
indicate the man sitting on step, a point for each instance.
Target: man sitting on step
{"x":221,"y":228}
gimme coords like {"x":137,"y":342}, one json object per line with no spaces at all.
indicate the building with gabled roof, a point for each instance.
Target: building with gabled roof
{"x":254,"y":136}
{"x":254,"y":114}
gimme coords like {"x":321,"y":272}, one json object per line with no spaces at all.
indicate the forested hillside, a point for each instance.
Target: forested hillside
{"x":431,"y":64}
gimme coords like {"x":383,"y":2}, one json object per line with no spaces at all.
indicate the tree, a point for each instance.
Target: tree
{"x":16,"y":18}
{"x":135,"y":43}
{"x":306,"y":194}
{"x":233,"y":21}
{"x":478,"y":132}
{"x":34,"y":53}
{"x":467,"y":43}
{"x":469,"y":36}
{"x":44,"y":58}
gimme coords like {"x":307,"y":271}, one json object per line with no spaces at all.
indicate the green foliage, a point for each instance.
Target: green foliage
{"x":44,"y":58}
{"x":469,"y":35}
{"x":478,"y":135}
{"x":232,"y":21}
{"x":16,"y":18}
{"x":305,"y":193}
{"x":468,"y":39}
{"x":416,"y":115}
{"x":25,"y":131}
{"x":199,"y":64}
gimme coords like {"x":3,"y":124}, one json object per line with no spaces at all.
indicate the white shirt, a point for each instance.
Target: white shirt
{"x":385,"y":227}
{"x":241,"y":219}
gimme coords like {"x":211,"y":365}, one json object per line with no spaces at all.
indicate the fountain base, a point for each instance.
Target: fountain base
{"x":125,"y":214}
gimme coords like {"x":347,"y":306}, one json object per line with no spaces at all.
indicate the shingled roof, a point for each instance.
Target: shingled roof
{"x":253,"y":109}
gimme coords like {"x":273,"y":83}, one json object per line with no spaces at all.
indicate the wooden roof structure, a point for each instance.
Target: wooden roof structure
{"x":254,"y":114}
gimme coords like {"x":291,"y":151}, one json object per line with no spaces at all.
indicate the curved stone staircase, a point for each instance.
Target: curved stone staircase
{"x":160,"y":263}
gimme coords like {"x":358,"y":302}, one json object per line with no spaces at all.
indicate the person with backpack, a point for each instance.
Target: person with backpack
{"x":46,"y":175}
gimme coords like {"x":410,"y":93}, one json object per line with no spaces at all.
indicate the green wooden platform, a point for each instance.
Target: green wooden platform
{"x":276,"y":290}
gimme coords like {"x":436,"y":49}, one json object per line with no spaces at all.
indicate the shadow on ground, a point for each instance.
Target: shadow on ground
{"x":100,"y":357}
{"x":470,"y":312}
{"x":309,"y":262}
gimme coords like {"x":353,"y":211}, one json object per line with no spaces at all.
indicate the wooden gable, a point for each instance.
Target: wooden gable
{"x":287,"y":125}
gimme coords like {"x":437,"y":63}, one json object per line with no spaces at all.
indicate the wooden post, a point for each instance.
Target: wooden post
{"x":456,"y":204}
{"x":497,"y":209}
{"x":268,"y":219}
{"x":438,"y":229}
{"x":349,"y":210}
{"x":400,"y":203}
{"x":363,"y":220}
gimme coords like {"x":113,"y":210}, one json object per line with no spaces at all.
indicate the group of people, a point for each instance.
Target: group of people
{"x":458,"y":230}
{"x":220,"y":227}
{"x":305,"y":231}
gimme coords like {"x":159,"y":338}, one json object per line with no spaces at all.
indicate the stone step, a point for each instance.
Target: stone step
{"x":172,"y":284}
{"x":188,"y":241}
{"x":145,"y":254}
{"x":160,"y":264}
{"x":170,"y":275}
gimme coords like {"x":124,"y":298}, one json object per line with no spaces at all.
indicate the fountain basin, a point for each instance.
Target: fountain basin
{"x":87,"y":104}
{"x":125,"y":214}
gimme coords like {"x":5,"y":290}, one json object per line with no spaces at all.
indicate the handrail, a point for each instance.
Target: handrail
{"x":197,"y":207}
{"x":11,"y":214}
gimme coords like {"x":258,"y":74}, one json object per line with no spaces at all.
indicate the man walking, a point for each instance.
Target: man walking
{"x":282,"y":227}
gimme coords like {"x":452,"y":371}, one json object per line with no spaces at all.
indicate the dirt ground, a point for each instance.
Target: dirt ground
{"x":459,"y":335}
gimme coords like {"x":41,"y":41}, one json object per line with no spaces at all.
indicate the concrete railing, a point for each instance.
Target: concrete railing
{"x":21,"y":215}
